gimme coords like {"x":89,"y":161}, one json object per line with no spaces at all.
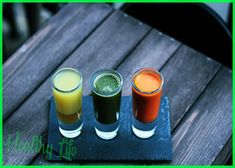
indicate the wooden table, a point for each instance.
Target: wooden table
{"x":95,"y":36}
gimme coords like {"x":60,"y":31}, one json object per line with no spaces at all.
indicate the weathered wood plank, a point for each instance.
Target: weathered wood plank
{"x":225,"y":154}
{"x":208,"y":125}
{"x":23,"y":74}
{"x":154,"y":50}
{"x":186,"y":75}
{"x":39,"y":39}
{"x":105,"y":48}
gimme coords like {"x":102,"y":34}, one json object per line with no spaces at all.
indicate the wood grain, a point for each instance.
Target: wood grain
{"x":23,"y":74}
{"x":105,"y":48}
{"x":39,"y":39}
{"x":208,"y":125}
{"x":186,"y":75}
{"x":154,"y":51}
{"x":225,"y":154}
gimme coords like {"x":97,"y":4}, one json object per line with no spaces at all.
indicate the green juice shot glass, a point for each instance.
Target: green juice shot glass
{"x":106,"y":86}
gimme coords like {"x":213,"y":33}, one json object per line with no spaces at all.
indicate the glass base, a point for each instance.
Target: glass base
{"x":143,"y":130}
{"x":106,"y":131}
{"x":71,"y":133}
{"x":106,"y":135}
{"x":143,"y":134}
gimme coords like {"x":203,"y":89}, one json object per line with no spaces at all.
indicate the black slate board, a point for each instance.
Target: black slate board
{"x":124,"y":147}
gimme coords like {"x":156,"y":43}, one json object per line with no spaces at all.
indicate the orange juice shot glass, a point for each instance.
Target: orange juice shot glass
{"x":146,"y":98}
{"x":67,"y":92}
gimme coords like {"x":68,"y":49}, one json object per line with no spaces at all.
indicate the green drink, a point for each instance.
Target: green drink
{"x":106,"y":93}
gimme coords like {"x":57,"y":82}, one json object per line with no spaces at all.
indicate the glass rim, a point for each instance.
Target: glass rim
{"x":97,"y":73}
{"x":70,"y":90}
{"x":150,"y":69}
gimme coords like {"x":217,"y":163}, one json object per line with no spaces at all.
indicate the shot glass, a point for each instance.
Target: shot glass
{"x":67,"y":91}
{"x":146,"y":97}
{"x":106,"y":88}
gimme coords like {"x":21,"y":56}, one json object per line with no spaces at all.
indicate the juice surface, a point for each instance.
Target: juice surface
{"x":66,"y":80}
{"x":106,"y":83}
{"x":68,"y":104}
{"x":147,"y":82}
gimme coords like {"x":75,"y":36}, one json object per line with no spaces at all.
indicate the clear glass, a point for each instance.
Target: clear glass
{"x":146,"y":104}
{"x":106,"y":102}
{"x":67,"y":92}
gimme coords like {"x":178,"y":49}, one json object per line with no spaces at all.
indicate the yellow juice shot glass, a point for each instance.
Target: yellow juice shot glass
{"x":67,"y":91}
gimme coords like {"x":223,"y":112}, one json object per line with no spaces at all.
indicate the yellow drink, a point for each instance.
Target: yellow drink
{"x":67,"y":91}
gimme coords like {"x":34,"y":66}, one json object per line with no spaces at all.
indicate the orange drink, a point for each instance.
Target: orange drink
{"x":146,"y":94}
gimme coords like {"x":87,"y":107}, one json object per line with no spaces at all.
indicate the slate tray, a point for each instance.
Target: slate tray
{"x":124,"y":147}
